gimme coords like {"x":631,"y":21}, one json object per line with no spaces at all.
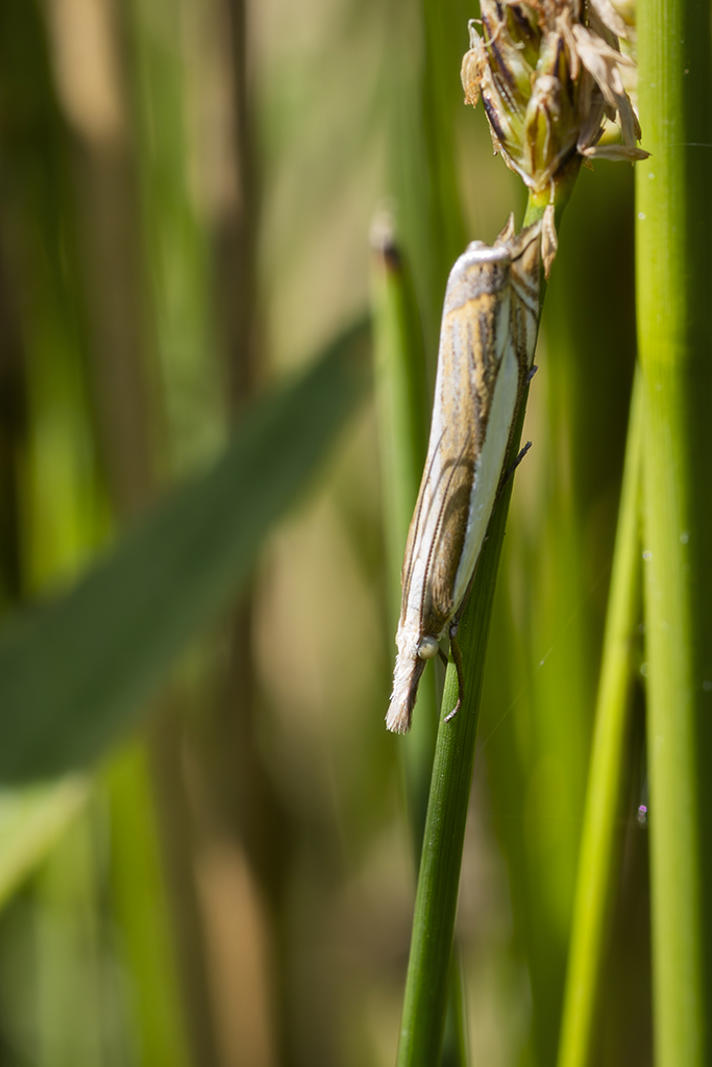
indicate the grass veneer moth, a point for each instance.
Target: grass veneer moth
{"x":487,"y":341}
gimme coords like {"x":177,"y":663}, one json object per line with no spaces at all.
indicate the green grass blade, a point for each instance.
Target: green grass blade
{"x":601,"y":838}
{"x":76,"y":671}
{"x":422,"y":141}
{"x":30,"y":820}
{"x":142,"y":915}
{"x":403,"y":426}
{"x":69,"y":945}
{"x":674,"y":236}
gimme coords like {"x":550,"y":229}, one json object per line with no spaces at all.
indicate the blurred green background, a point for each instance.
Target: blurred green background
{"x":204,"y":851}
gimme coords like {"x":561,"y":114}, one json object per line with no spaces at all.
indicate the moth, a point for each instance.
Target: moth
{"x":487,"y":339}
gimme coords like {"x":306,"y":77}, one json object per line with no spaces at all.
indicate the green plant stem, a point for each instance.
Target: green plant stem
{"x":402,"y":406}
{"x":601,"y":837}
{"x":159,"y":1027}
{"x":438,"y":880}
{"x":403,"y":427}
{"x":422,"y":1020}
{"x":674,"y":236}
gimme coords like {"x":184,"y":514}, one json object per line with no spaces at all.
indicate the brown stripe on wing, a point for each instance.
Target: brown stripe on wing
{"x":426,"y":489}
{"x":485,"y":369}
{"x":473,"y":382}
{"x":478,"y":373}
{"x":469,"y":357}
{"x":443,"y":560}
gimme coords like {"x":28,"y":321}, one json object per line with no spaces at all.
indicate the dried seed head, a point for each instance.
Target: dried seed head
{"x":550,"y":74}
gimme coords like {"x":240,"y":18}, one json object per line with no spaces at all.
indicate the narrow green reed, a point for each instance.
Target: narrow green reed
{"x":436,"y":898}
{"x":402,"y":407}
{"x":546,"y":108}
{"x":403,"y":426}
{"x":673,"y":240}
{"x":426,"y":990}
{"x":422,"y":142}
{"x":601,"y":841}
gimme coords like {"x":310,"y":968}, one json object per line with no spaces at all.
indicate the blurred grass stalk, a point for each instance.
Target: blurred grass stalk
{"x":403,"y":424}
{"x":601,"y":842}
{"x":674,"y":237}
{"x":159,"y":1022}
{"x":430,"y":223}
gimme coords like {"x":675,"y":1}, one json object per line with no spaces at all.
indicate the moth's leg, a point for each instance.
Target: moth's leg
{"x":522,"y":453}
{"x":457,"y":660}
{"x":443,"y":657}
{"x":509,"y":473}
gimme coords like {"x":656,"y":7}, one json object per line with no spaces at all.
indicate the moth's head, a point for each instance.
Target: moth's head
{"x":478,"y":254}
{"x":481,"y":271}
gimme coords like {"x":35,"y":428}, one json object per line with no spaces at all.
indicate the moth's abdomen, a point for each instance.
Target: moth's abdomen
{"x":415,"y":648}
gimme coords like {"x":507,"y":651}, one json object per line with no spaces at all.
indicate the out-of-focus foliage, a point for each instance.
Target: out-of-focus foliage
{"x":187,"y":192}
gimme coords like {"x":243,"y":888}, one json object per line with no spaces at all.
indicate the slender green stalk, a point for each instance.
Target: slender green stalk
{"x":158,"y":1025}
{"x":601,"y":839}
{"x":422,"y":141}
{"x":69,"y":952}
{"x":438,"y":880}
{"x":422,"y":1020}
{"x":403,"y":427}
{"x":674,"y":236}
{"x":400,"y":391}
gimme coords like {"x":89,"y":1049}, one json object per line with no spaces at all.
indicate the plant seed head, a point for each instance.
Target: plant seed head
{"x":550,"y":74}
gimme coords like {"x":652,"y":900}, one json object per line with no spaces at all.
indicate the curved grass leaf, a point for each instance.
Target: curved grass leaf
{"x":75,"y":672}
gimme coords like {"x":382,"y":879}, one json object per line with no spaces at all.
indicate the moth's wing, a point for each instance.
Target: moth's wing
{"x":449,"y":540}
{"x":475,"y":318}
{"x":471,"y":361}
{"x":421,"y":514}
{"x":441,"y":545}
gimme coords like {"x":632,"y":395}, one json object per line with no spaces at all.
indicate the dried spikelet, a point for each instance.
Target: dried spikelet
{"x":551,"y":75}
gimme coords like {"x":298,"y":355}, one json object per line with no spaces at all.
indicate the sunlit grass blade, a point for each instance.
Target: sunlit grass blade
{"x":674,"y":236}
{"x":600,"y":853}
{"x":31,"y":817}
{"x":76,"y":671}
